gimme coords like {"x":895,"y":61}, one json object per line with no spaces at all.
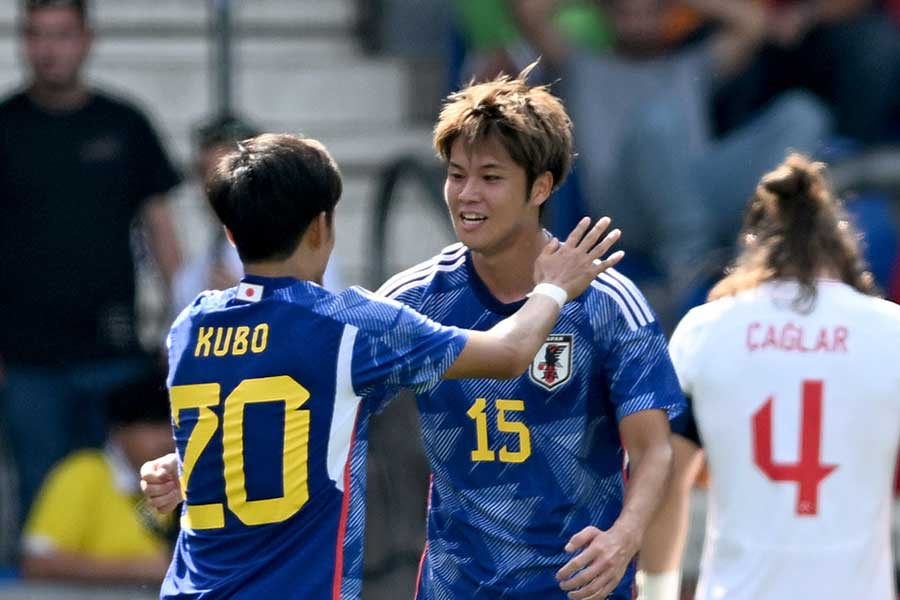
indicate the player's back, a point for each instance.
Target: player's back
{"x":271,"y":387}
{"x":799,"y":414}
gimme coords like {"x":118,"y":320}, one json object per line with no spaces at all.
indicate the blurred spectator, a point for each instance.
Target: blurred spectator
{"x":216,"y":265}
{"x":77,"y":168}
{"x":648,"y":157}
{"x":90,"y":522}
{"x":503,"y":36}
{"x":846,"y":51}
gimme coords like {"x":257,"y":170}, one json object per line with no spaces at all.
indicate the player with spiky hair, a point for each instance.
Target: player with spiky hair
{"x":272,"y":382}
{"x":528,"y":497}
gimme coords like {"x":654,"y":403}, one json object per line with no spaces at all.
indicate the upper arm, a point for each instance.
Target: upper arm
{"x":409,"y":351}
{"x":59,"y":515}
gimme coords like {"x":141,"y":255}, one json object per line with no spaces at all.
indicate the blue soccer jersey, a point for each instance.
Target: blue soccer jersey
{"x":520,"y":466}
{"x":272,"y":384}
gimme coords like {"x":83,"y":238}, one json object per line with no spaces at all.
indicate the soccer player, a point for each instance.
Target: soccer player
{"x":528,"y":496}
{"x":792,"y":372}
{"x":272,"y":382}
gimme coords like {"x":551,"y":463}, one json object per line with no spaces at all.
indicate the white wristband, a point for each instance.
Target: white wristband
{"x":552,"y":291}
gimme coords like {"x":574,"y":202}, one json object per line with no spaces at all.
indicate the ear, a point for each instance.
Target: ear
{"x":230,"y":236}
{"x":319,"y":231}
{"x":541,"y":189}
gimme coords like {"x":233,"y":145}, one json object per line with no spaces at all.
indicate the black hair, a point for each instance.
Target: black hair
{"x":268,"y":191}
{"x":143,"y":400}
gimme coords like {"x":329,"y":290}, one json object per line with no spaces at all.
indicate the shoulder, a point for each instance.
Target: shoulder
{"x":124,"y":110}
{"x":358,"y":307}
{"x":80,"y":467}
{"x":410,"y":283}
{"x":13,"y":102}
{"x":612,"y":297}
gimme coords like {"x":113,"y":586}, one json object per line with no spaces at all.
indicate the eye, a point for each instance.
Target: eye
{"x":492,"y":178}
{"x":455,"y":176}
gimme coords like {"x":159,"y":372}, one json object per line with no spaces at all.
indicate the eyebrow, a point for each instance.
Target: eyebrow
{"x":491,"y":165}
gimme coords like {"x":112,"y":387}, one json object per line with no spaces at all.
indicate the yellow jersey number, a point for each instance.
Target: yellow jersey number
{"x":295,"y":449}
{"x":482,"y":452}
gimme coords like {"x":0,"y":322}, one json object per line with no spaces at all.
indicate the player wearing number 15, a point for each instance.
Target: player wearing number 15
{"x":272,"y":382}
{"x":793,"y":373}
{"x":528,"y":498}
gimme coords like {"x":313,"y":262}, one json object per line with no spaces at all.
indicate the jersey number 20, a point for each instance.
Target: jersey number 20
{"x":295,"y":446}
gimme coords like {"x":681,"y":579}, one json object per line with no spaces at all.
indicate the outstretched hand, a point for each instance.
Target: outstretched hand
{"x":159,"y":482}
{"x":575,"y":263}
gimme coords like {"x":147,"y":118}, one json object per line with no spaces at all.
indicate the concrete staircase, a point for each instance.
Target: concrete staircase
{"x":297,"y":67}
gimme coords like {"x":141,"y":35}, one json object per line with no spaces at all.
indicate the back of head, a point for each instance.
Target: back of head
{"x":796,"y":229}
{"x":141,"y":401}
{"x":529,"y":121}
{"x":269,"y":189}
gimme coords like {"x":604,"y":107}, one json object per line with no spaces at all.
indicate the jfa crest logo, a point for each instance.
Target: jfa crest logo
{"x":552,"y":365}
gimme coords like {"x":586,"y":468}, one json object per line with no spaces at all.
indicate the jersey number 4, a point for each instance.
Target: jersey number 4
{"x":809,"y":471}
{"x":294,"y":449}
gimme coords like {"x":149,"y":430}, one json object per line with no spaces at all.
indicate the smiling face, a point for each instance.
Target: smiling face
{"x":488,"y":197}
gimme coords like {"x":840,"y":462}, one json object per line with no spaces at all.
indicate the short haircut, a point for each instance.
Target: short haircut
{"x":222,"y":129}
{"x":529,"y":121}
{"x":81,"y":6}
{"x":144,"y":400}
{"x":269,"y":189}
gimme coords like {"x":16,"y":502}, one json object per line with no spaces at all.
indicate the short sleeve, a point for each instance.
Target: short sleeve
{"x":156,"y":173}
{"x":640,"y":373}
{"x":58,"y":519}
{"x":684,"y":349}
{"x":411,"y":352}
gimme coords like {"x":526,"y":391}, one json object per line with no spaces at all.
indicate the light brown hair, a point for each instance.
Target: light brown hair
{"x":529,"y":121}
{"x":796,"y":229}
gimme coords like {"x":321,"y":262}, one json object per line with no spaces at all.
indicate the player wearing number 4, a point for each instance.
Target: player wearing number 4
{"x":272,"y":382}
{"x":528,"y":498}
{"x":792,"y":371}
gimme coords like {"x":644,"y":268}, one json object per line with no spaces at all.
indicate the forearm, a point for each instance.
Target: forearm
{"x":649,"y":471}
{"x":535,"y":20}
{"x":506,"y":350}
{"x":743,"y":30}
{"x":162,"y":238}
{"x":75,"y":567}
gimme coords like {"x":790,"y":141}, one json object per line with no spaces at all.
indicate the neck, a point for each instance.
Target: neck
{"x":509,"y":273}
{"x":59,"y":99}
{"x":292,"y":267}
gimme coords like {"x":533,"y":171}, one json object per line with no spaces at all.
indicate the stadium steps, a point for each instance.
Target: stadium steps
{"x":298,"y":68}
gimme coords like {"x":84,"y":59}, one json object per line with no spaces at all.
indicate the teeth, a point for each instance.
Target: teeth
{"x":472,"y":217}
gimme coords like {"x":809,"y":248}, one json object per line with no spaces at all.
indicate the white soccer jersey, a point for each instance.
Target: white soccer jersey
{"x":800,"y":417}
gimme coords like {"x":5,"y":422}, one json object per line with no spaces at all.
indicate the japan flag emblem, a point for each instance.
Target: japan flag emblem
{"x":249,"y":292}
{"x":552,"y":365}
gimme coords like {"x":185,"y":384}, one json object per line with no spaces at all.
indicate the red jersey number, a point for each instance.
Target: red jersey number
{"x":808,"y":472}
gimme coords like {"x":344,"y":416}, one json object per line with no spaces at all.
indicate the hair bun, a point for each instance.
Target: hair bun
{"x":787,"y":181}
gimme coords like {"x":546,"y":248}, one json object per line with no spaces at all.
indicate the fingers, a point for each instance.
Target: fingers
{"x":593,"y":236}
{"x":612,"y":260}
{"x":164,"y":497}
{"x":603,"y":247}
{"x":551,"y":246}
{"x":582,"y":539}
{"x":578,"y":233}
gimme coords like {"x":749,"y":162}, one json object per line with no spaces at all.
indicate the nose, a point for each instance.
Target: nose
{"x":469,"y":190}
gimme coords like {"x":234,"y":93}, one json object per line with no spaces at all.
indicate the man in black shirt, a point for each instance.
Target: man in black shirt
{"x":77,"y":168}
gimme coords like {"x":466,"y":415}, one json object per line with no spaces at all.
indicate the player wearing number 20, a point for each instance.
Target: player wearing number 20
{"x":527,"y":492}
{"x":272,"y":382}
{"x":793,"y":374}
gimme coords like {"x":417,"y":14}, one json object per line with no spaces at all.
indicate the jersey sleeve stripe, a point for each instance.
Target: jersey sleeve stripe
{"x":635,"y":293}
{"x":451,"y":253}
{"x":346,"y":405}
{"x":627,"y":296}
{"x":626,"y":310}
{"x":425,"y":278}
